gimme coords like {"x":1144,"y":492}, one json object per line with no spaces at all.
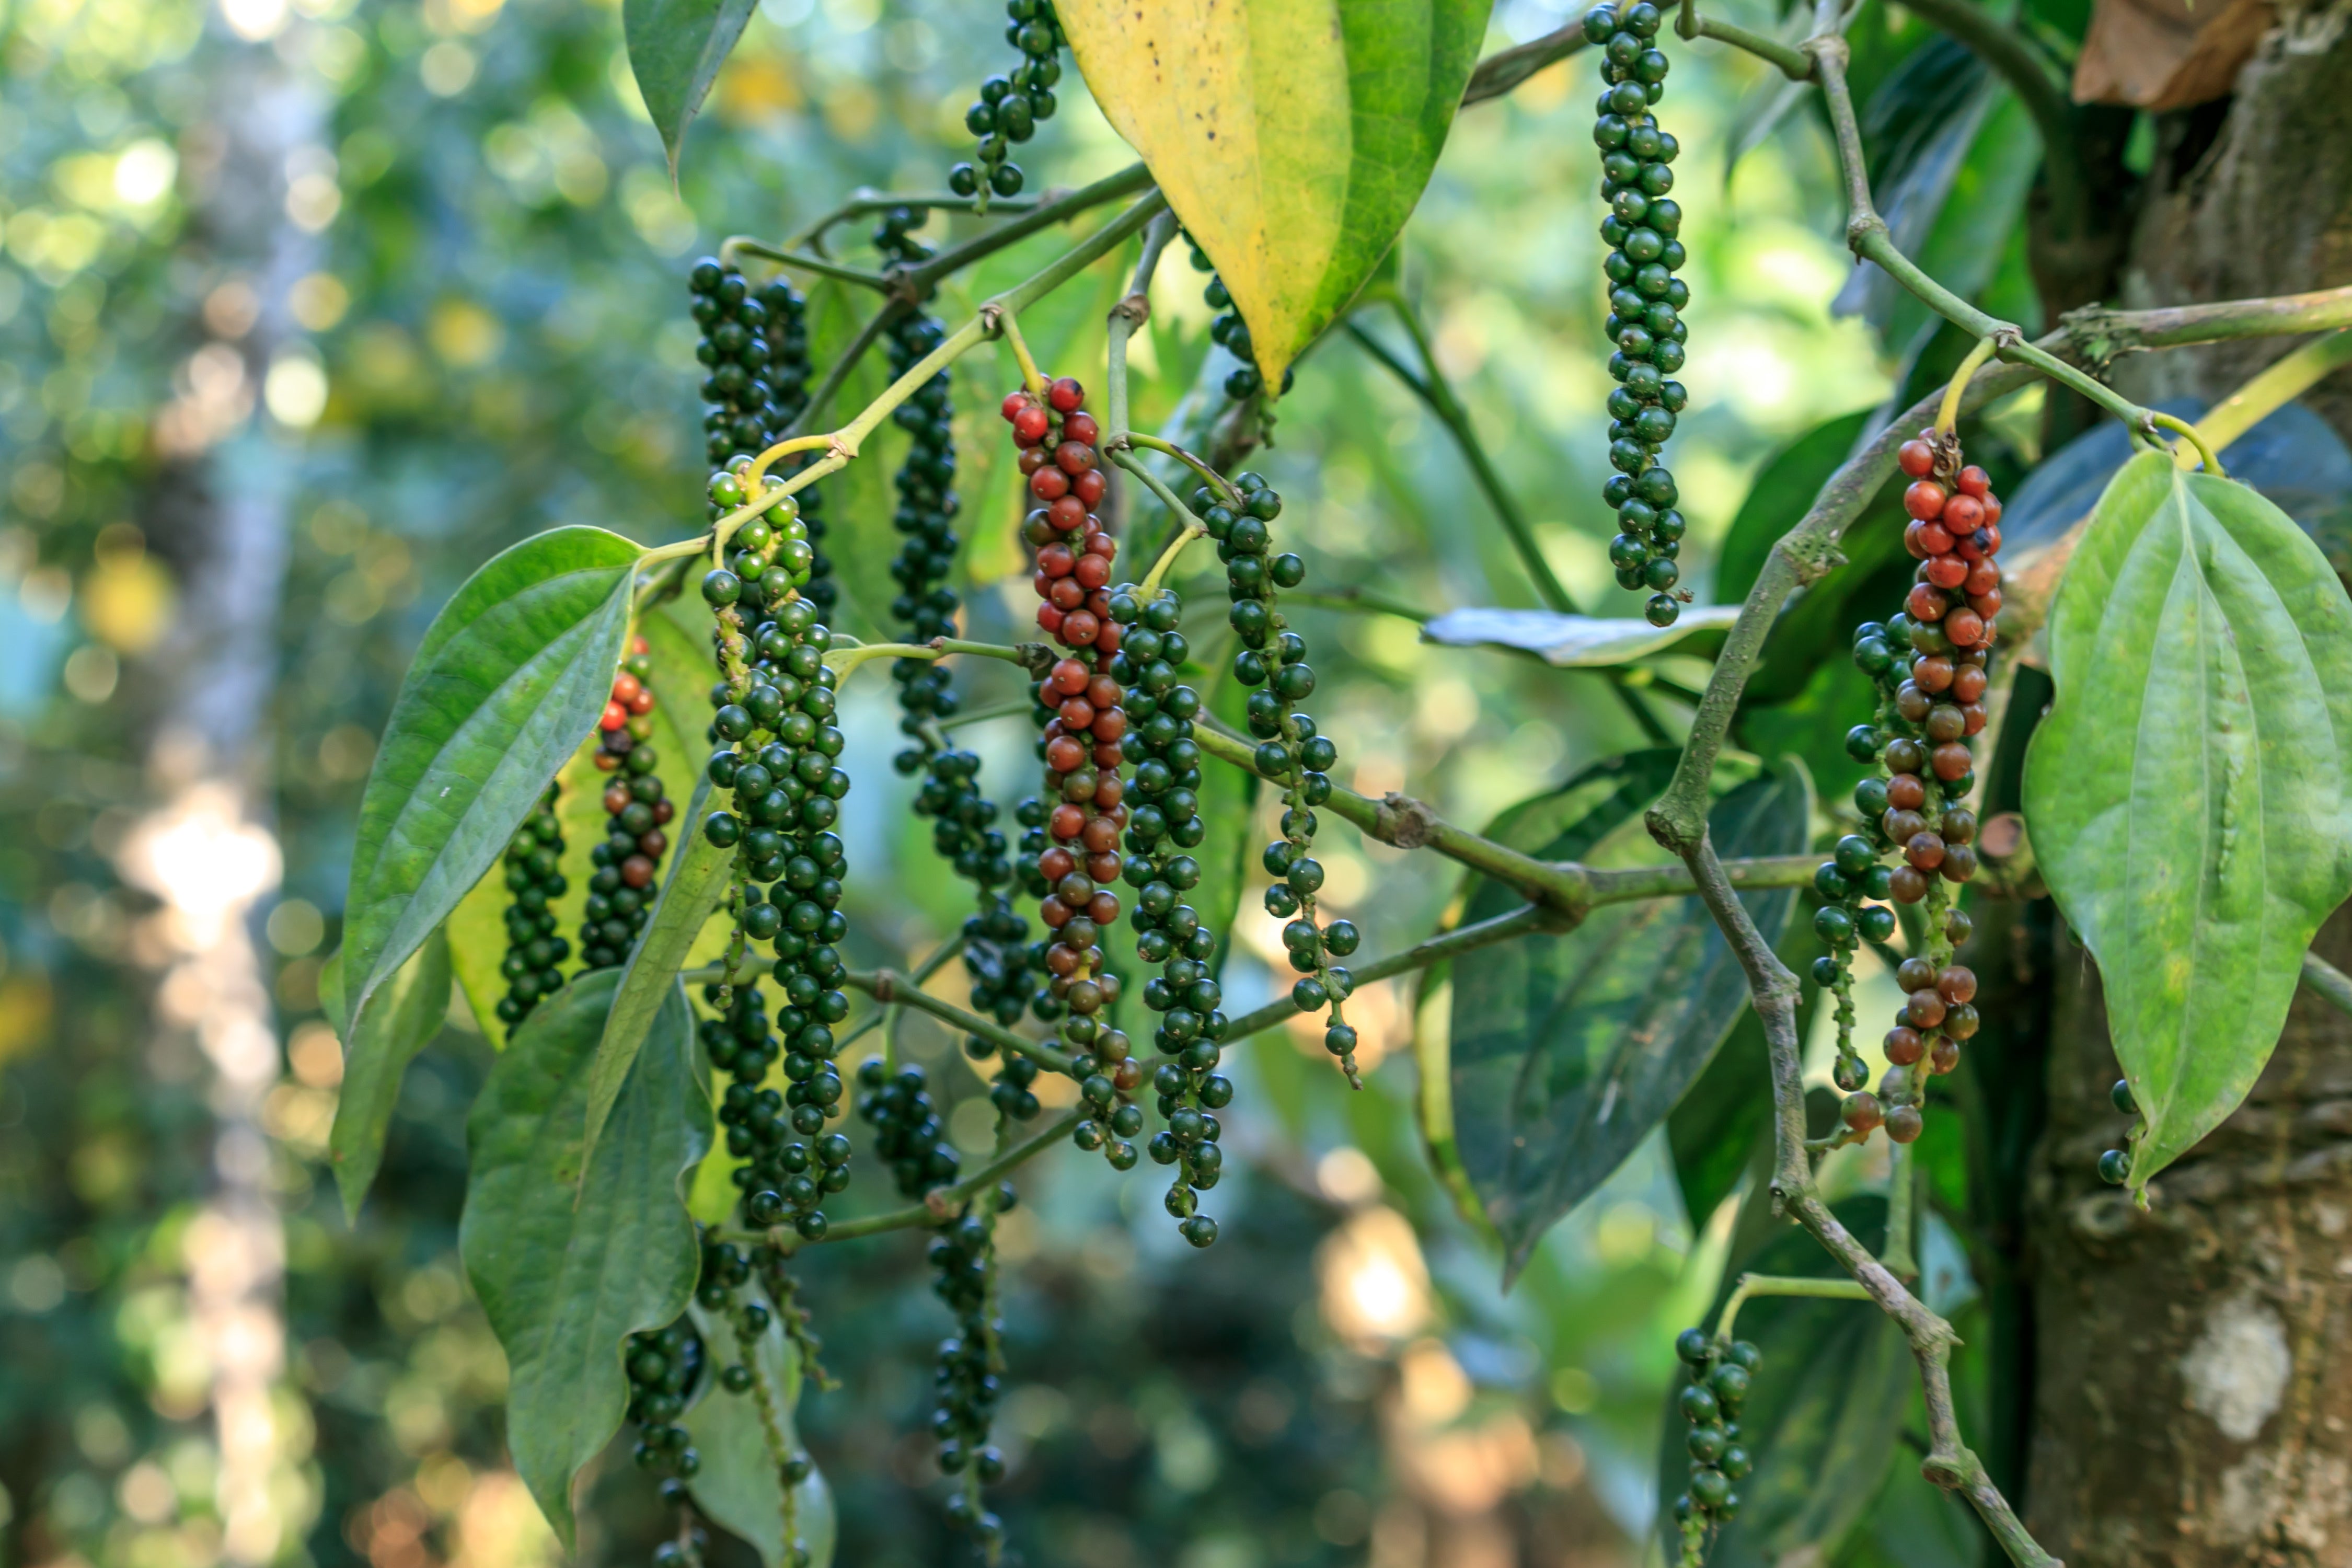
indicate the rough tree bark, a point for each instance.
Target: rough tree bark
{"x":2193,"y":1386}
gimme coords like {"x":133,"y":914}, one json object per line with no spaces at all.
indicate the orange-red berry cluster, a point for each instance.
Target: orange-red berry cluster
{"x":620,"y":890}
{"x":1081,"y":742}
{"x":1955,"y":535}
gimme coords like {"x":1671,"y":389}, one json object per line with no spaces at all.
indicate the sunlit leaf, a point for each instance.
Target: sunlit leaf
{"x":407,"y":1014}
{"x":1292,"y":137}
{"x":568,"y":1262}
{"x":676,"y":48}
{"x":511,"y":674}
{"x":2188,"y":792}
{"x":739,"y":1486}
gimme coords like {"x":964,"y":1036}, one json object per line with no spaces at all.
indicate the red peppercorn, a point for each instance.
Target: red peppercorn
{"x":1903,"y":1045}
{"x":1962,"y":514}
{"x":1065,"y":394}
{"x":1925,"y":1008}
{"x":1965,"y":628}
{"x":1030,"y":424}
{"x":1946,"y":571}
{"x":1952,"y":761}
{"x":1946,"y":1056}
{"x":1918,"y":459}
{"x":1924,"y":499}
{"x":1967,"y":683}
{"x":1973,"y":481}
{"x":1905,"y":792}
{"x":1927,"y":603}
{"x":1049,"y":484}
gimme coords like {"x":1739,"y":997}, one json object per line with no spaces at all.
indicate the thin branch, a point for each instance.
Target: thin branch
{"x":1498,"y":73}
{"x":814,"y":409}
{"x":939,"y":1204}
{"x":1794,"y":64}
{"x":2327,"y":982}
{"x":1430,"y":386}
{"x":743,"y":245}
{"x":872,"y":201}
{"x":918,"y":280}
{"x":1465,"y":939}
{"x":1563,"y":886}
{"x":2281,"y":383}
{"x":887,"y":985}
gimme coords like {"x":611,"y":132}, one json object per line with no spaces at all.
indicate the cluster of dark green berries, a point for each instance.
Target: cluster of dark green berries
{"x":755,"y":342}
{"x":2114,"y":1164}
{"x":1645,"y":301}
{"x":1012,"y":107}
{"x":1227,"y":329}
{"x":621,"y":889}
{"x":1719,"y":1375}
{"x":1165,"y":824}
{"x":533,"y":965}
{"x":1289,"y":752}
{"x":775,"y":760}
{"x":665,"y":1367}
{"x":790,"y":1163}
{"x":966,"y":1381}
{"x":770,"y":560}
{"x":908,"y":1135}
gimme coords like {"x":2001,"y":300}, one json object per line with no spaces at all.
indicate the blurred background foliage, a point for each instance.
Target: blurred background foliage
{"x":453,"y":312}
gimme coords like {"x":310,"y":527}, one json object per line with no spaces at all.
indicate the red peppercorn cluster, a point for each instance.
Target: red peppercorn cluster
{"x":1955,"y":535}
{"x":1086,"y":809}
{"x":1931,"y":664}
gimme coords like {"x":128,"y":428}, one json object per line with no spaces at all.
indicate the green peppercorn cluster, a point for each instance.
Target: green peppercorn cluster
{"x":756,"y":344}
{"x":790,"y":1163}
{"x":1010,"y":1092}
{"x":1166,"y":823}
{"x":776,"y":746}
{"x":971,"y":1362}
{"x":1645,"y":301}
{"x":1289,"y":750}
{"x":621,"y":889}
{"x":1845,"y":882}
{"x":535,"y":954}
{"x":963,"y":819}
{"x":1011,"y":108}
{"x":908,"y":1135}
{"x":1108,"y":1072}
{"x":1719,"y":1375}
{"x":665,"y":1367}
{"x":2114,"y":1164}
{"x":1227,"y":329}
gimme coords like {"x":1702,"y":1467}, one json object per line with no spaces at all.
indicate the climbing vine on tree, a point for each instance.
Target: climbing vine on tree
{"x":711,"y":1011}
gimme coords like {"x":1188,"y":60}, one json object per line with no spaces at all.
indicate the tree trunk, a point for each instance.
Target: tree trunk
{"x":2193,"y":1382}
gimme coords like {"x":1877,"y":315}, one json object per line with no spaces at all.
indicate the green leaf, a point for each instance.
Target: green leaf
{"x":1292,"y":137}
{"x":511,"y":674}
{"x":571,"y":1255}
{"x":1824,"y":1416}
{"x":1577,"y":641}
{"x":697,"y":884}
{"x":739,"y":1486}
{"x":1568,"y":1047}
{"x":2187,"y":792}
{"x":1781,"y":493}
{"x":676,"y":48}
{"x":407,"y":1015}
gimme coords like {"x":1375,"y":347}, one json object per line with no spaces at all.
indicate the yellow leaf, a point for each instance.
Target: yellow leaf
{"x":1293,"y":138}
